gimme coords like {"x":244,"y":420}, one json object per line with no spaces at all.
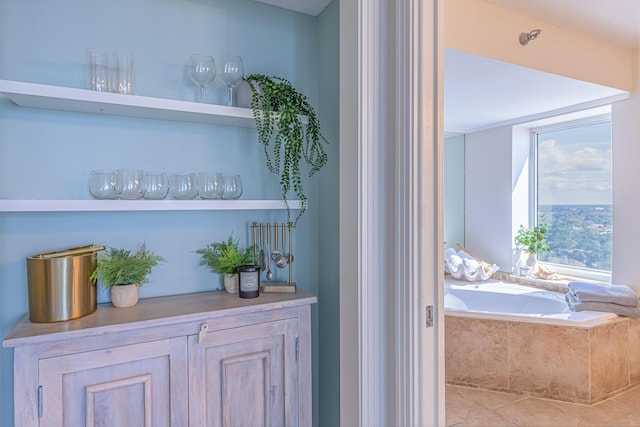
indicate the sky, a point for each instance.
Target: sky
{"x":574,"y":165}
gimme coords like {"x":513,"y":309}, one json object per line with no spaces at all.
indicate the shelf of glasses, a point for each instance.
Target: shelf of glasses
{"x":142,"y":205}
{"x":60,"y":98}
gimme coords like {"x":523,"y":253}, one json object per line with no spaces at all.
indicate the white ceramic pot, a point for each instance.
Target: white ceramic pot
{"x":532,"y":261}
{"x":125,"y":295}
{"x":231,"y":283}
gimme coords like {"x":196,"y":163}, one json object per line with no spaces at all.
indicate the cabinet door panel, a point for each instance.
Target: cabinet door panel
{"x":245,"y":376}
{"x":140,"y":384}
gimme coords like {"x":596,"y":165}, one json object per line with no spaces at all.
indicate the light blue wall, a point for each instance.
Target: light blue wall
{"x":329,"y":256}
{"x":48,"y":154}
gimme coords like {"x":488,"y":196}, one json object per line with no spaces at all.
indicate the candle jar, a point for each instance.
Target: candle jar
{"x":249,"y":278}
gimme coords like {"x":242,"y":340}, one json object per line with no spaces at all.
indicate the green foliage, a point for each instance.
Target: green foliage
{"x":533,"y":241}
{"x":277,"y":104}
{"x":225,"y":257}
{"x":121,"y":267}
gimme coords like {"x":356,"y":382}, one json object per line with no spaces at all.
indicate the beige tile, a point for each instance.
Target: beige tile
{"x":538,"y":412}
{"x":461,"y":405}
{"x":609,"y":358}
{"x":476,"y":352}
{"x":630,"y":420}
{"x":633,"y":326}
{"x":487,"y":398}
{"x":487,"y":418}
{"x":630,"y":398}
{"x":489,"y":408}
{"x":602,"y":414}
{"x":548,"y":359}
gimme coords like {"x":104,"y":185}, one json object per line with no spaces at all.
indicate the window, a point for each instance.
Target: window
{"x":573,"y":195}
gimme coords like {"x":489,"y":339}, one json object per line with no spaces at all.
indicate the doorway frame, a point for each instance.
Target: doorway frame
{"x":391,"y":363}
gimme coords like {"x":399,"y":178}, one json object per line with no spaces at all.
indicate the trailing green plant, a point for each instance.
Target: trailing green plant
{"x":277,"y":107}
{"x":533,"y":241}
{"x":225,"y":257}
{"x":121,"y":267}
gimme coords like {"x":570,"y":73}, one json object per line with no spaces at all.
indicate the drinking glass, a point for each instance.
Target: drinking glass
{"x":231,"y":72}
{"x":131,"y":181}
{"x":202,"y":71}
{"x":98,"y":62}
{"x":210,"y":185}
{"x":104,"y":184}
{"x":232,"y":187}
{"x":182,"y":186}
{"x":123,"y":72}
{"x":155,"y":185}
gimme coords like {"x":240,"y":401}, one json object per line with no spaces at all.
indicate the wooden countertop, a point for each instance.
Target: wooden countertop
{"x":155,"y":311}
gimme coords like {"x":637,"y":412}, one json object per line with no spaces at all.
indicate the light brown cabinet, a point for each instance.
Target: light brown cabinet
{"x":207,"y":359}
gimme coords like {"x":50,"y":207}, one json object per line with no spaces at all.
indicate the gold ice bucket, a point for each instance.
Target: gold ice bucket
{"x":59,"y":284}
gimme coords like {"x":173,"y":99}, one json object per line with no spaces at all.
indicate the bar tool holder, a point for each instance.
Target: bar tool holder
{"x":278,"y":286}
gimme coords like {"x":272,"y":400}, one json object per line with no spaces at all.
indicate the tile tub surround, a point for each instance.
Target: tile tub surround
{"x":570,"y":363}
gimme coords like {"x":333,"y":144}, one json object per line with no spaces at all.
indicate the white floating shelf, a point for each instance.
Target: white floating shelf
{"x":142,"y":205}
{"x":88,"y":101}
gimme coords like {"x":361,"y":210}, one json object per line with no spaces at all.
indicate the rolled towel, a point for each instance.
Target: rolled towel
{"x":591,"y":292}
{"x":622,"y":310}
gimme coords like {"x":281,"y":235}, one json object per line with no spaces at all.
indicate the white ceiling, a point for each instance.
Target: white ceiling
{"x":481,"y":93}
{"x":612,"y":21}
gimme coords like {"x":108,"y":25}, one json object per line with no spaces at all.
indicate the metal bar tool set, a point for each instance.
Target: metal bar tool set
{"x":280,"y":234}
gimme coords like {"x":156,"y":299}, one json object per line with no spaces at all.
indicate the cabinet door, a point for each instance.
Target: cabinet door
{"x":245,"y":376}
{"x":134,"y":385}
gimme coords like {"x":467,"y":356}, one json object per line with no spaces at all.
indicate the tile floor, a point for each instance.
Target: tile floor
{"x":476,"y":407}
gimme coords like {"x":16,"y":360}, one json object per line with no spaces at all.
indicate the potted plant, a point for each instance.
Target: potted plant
{"x":123,"y":272}
{"x":287,"y":139}
{"x":224,"y":258}
{"x":533,"y":241}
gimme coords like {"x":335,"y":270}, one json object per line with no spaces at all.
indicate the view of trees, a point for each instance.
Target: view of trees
{"x":579,"y":235}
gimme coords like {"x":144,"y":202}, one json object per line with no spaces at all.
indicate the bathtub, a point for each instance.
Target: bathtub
{"x":509,"y":337}
{"x":494,"y":299}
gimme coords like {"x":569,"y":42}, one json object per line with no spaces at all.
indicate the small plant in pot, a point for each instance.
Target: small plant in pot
{"x":533,"y":241}
{"x":224,"y":258}
{"x":123,"y":272}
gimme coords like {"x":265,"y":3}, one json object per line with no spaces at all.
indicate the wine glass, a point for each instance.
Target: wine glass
{"x":202,"y":71}
{"x":231,"y":72}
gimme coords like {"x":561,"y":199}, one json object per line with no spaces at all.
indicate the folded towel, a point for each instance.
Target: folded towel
{"x":622,"y":310}
{"x":616,"y":294}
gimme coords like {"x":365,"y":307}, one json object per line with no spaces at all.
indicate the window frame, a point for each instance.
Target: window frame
{"x":603,"y":276}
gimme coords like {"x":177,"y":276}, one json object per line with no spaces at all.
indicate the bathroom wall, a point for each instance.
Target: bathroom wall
{"x":454,"y":190}
{"x":626,"y":175}
{"x":488,"y":185}
{"x":48,"y":154}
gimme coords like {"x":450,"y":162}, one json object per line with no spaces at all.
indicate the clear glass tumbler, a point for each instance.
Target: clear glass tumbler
{"x":104,"y":184}
{"x":182,"y":186}
{"x":123,"y":68}
{"x":155,"y":185}
{"x":210,"y":185}
{"x":98,"y":64}
{"x":131,"y":181}
{"x":232,"y":187}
